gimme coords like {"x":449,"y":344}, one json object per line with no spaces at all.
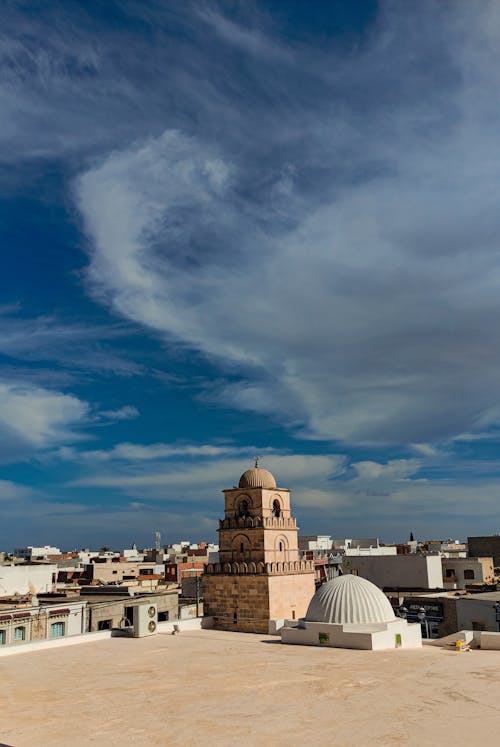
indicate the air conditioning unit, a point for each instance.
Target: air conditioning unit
{"x":145,"y":619}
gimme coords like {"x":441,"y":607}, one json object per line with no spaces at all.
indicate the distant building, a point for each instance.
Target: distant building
{"x":118,"y":569}
{"x":397,"y":571}
{"x":25,"y":578}
{"x":109,"y":608}
{"x":36,"y":553}
{"x":318,"y":543}
{"x":461,"y":572}
{"x":488,"y":546}
{"x":36,"y":623}
{"x":368,"y":547}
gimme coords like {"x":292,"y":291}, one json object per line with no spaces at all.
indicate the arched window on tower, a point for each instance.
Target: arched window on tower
{"x":242,"y":548}
{"x":281,"y":547}
{"x":244,"y":508}
{"x":276,"y":508}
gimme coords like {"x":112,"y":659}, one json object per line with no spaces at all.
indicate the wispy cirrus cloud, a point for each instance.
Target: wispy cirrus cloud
{"x":320,"y":221}
{"x":70,"y":344}
{"x":134,"y":452}
{"x":358,"y":302}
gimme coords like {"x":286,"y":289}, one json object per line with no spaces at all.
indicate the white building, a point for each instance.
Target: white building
{"x":398,"y":571}
{"x":25,"y":579}
{"x":315,"y":543}
{"x":369,"y":547}
{"x":351,"y":612}
{"x":36,"y":553}
{"x":458,"y":572}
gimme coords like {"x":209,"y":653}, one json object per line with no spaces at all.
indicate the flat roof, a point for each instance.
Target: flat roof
{"x":237,"y":688}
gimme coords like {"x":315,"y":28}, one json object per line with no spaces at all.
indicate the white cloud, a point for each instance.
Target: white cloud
{"x":33,"y":418}
{"x":133,"y":452}
{"x":215,"y":474}
{"x":395,"y":469}
{"x":362,"y":306}
{"x":73,"y":345}
{"x":12,"y":491}
{"x":127,"y":412}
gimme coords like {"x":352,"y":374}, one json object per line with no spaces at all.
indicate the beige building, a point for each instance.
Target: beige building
{"x":259,"y":577}
{"x":119,"y":569}
{"x":105,"y":612}
{"x":20,"y":625}
{"x":460,"y":572}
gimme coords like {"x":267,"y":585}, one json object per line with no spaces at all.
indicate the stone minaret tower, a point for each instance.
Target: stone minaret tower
{"x":259,"y":577}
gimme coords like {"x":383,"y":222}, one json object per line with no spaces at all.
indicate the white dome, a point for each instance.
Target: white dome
{"x":349,"y":599}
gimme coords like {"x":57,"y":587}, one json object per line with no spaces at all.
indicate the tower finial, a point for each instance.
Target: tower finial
{"x":257,"y":462}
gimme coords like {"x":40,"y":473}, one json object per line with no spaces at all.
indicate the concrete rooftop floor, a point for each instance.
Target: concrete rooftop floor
{"x":239,"y":689}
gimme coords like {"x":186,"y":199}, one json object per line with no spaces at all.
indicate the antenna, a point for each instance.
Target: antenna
{"x":157,"y":540}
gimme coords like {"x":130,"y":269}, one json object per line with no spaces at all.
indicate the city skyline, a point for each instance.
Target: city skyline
{"x":245,"y":229}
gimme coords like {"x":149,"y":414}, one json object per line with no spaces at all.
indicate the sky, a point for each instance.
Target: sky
{"x":231,"y":229}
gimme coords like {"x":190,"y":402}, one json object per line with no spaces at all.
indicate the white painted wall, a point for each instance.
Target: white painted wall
{"x":365,"y":637}
{"x":404,"y":571}
{"x":31,"y":552}
{"x":23,"y":579}
{"x":476,"y":610}
{"x":370,"y":551}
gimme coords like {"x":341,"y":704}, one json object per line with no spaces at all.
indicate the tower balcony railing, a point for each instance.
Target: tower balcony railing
{"x":254,"y":522}
{"x":255,"y":569}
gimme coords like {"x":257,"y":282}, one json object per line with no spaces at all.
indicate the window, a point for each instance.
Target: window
{"x":450,"y":573}
{"x":163,"y":616}
{"x":469,"y":573}
{"x":276,"y":508}
{"x":476,"y":625}
{"x":20,"y":633}
{"x":104,"y":625}
{"x":57,"y":630}
{"x":281,"y":546}
{"x":242,"y":547}
{"x":3,"y":637}
{"x":244,"y":506}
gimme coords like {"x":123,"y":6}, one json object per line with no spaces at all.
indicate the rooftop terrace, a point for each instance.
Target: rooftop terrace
{"x":235,"y":688}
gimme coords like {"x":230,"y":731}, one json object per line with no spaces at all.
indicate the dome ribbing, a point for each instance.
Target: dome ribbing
{"x":257,"y":478}
{"x":349,"y":599}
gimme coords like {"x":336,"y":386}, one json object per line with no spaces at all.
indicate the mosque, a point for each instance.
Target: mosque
{"x":260,"y":584}
{"x":259,"y":577}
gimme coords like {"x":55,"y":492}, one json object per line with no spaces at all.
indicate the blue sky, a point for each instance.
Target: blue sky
{"x":240,"y":228}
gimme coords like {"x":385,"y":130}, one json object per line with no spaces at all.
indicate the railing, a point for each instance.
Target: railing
{"x":252,"y":568}
{"x":257,"y":522}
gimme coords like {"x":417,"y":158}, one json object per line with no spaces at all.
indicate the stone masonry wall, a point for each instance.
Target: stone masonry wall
{"x":246,"y":603}
{"x":237,"y":602}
